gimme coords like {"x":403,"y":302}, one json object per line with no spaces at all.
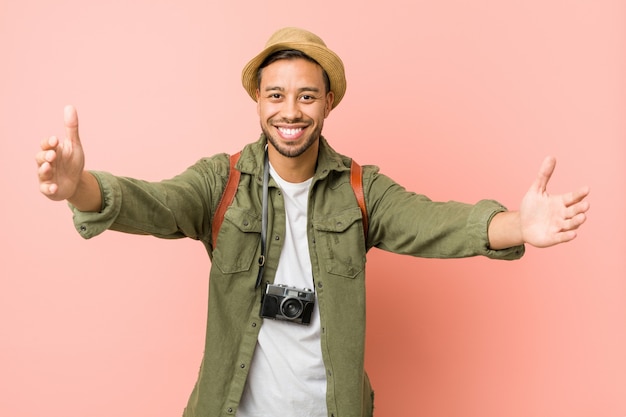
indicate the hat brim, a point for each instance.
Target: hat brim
{"x":327,"y":59}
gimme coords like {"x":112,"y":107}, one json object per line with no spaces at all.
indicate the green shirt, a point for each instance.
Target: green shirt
{"x":399,"y":221}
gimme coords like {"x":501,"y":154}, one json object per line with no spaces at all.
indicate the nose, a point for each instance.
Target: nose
{"x":291,"y":109}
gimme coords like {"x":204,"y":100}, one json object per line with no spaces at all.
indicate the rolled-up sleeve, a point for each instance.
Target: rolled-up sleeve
{"x":478,"y":224}
{"x":91,"y":224}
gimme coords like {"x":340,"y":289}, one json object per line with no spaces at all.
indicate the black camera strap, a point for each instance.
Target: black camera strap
{"x":266,"y":180}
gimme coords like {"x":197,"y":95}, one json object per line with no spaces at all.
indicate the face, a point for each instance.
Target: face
{"x":292,"y":103}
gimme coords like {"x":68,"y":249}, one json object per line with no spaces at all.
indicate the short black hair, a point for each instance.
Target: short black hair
{"x":289,"y":54}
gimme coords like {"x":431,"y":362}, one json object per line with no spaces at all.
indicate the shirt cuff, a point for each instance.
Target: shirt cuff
{"x":90,"y":224}
{"x":479,"y":221}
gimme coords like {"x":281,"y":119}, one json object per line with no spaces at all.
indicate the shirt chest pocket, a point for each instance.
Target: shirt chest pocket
{"x":237,"y":242}
{"x":339,"y":242}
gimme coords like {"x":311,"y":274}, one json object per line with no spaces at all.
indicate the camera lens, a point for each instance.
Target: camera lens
{"x":291,"y":308}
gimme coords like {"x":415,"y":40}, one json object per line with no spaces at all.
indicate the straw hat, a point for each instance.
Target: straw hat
{"x":303,"y":41}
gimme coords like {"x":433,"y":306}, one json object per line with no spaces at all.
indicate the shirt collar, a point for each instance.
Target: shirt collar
{"x":328,"y":160}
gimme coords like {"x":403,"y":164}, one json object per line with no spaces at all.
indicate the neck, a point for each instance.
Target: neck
{"x":294,"y":169}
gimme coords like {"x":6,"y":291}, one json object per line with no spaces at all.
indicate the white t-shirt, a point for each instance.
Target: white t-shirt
{"x":287,"y":377}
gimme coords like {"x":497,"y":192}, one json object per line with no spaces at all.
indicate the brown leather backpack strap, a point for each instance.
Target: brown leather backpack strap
{"x":227,"y":197}
{"x":356,"y":180}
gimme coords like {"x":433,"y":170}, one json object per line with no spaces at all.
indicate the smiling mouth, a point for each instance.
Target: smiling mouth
{"x":290,"y":132}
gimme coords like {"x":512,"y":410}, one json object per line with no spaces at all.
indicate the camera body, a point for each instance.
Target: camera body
{"x":292,"y":304}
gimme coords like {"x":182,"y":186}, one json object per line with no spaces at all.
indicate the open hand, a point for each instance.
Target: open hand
{"x":547,"y":220}
{"x":61,"y":163}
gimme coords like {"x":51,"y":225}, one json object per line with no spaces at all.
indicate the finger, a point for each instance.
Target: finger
{"x":576,"y":209}
{"x":574,"y":223}
{"x":564,"y":237}
{"x":70,"y":117}
{"x":576,"y":196}
{"x":48,"y":189}
{"x":45,"y":156}
{"x":49,"y":143}
{"x":42,"y":157}
{"x":44,"y":172}
{"x":545,"y":172}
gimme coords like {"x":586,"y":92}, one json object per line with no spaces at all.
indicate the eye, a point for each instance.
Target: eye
{"x":307,"y":97}
{"x":274,"y":97}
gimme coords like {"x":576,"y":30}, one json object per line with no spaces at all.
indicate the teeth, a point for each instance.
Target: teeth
{"x":289,"y":131}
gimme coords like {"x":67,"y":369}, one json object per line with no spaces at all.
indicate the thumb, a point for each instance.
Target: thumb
{"x":544,"y":175}
{"x":71,"y":123}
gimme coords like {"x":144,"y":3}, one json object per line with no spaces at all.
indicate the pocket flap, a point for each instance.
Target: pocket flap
{"x":339,"y":222}
{"x":243,"y":220}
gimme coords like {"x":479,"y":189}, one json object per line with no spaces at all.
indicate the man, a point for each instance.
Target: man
{"x":306,"y":207}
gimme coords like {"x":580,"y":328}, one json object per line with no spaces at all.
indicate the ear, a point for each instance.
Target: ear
{"x":330,"y":99}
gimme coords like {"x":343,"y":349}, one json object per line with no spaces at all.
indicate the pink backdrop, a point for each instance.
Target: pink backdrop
{"x":455,"y":99}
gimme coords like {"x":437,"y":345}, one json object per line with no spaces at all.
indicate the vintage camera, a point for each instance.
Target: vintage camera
{"x":288,"y":303}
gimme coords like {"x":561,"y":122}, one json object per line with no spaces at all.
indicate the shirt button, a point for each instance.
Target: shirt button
{"x":229,"y":409}
{"x":245,"y":223}
{"x":242,"y":366}
{"x":83,"y":228}
{"x":276,"y":237}
{"x":319,"y":285}
{"x":253,"y":324}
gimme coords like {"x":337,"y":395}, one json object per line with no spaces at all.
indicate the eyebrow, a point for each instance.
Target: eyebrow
{"x":300,"y":90}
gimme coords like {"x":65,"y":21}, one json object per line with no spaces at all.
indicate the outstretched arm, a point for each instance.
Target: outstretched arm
{"x":61,"y":168}
{"x":543,"y":220}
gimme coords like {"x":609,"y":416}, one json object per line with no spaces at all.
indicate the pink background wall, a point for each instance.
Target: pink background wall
{"x":455,"y":99}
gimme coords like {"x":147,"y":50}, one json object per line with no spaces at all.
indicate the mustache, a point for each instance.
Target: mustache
{"x":288,"y":121}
